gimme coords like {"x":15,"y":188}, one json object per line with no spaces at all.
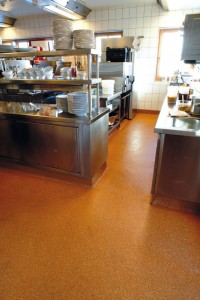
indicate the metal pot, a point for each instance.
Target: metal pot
{"x":195,"y":106}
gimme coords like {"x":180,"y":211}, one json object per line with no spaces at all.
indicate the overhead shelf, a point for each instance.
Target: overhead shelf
{"x":74,"y":52}
{"x":57,"y":84}
{"x":72,"y":82}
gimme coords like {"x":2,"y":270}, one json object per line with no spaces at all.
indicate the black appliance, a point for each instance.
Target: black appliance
{"x":118,"y":54}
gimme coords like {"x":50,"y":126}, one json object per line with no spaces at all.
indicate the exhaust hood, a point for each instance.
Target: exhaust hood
{"x":6,"y":21}
{"x":163,"y":4}
{"x":169,"y":5}
{"x":69,"y":9}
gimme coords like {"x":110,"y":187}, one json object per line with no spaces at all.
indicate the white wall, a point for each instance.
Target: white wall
{"x":139,"y":20}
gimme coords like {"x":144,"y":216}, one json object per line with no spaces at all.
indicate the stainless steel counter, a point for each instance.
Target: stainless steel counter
{"x":187,"y":126}
{"x":55,"y":144}
{"x":47,"y":112}
{"x":109,"y":97}
{"x":177,"y":163}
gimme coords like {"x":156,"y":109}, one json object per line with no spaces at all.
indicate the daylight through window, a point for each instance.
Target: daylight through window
{"x":169,"y":53}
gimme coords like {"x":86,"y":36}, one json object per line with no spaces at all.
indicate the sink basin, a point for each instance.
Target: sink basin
{"x":184,"y":124}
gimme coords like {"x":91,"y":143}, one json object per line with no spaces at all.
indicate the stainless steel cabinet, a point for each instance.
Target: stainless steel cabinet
{"x":40,"y":144}
{"x":8,"y":137}
{"x":176,"y":172}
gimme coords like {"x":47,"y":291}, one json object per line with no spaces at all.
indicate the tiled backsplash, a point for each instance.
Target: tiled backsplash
{"x":140,"y":20}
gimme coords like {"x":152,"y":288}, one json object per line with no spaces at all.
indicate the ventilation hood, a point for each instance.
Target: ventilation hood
{"x":6,"y":21}
{"x":69,"y":9}
{"x":163,"y":4}
{"x":168,"y":5}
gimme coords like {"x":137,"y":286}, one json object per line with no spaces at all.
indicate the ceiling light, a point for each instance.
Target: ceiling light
{"x":163,"y":4}
{"x":62,"y":12}
{"x":169,"y":5}
{"x":61,"y":2}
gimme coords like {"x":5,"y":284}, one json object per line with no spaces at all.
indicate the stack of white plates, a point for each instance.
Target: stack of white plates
{"x":78,"y":103}
{"x":25,"y":49}
{"x":6,"y":48}
{"x":83,"y":39}
{"x":62,"y":34}
{"x":61,"y":101}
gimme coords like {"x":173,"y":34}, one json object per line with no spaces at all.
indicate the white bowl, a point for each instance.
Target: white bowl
{"x":65,"y":69}
{"x":48,"y":69}
{"x":49,"y":76}
{"x":8,"y":76}
{"x":66,"y":72}
{"x":81,"y":74}
{"x":7,"y":73}
{"x":22,"y":75}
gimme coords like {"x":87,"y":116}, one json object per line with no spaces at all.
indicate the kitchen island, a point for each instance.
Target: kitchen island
{"x":177,"y":164}
{"x":52,"y":143}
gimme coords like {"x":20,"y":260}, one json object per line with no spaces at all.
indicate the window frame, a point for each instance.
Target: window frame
{"x":162,"y":31}
{"x":16,"y":42}
{"x":108,"y":33}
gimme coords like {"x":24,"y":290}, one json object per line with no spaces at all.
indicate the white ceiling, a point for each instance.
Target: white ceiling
{"x":20,"y":8}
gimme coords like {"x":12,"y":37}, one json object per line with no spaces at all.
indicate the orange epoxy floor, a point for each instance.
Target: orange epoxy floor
{"x":61,"y":241}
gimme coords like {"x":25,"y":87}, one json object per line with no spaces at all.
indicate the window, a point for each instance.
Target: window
{"x":46,"y":43}
{"x":169,"y":53}
{"x":106,"y":35}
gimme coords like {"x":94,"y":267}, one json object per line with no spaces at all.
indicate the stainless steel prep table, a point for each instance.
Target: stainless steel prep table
{"x":176,"y":179}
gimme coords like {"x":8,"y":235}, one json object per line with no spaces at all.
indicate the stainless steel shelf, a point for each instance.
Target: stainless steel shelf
{"x":50,"y":53}
{"x":56,"y":84}
{"x":72,"y":82}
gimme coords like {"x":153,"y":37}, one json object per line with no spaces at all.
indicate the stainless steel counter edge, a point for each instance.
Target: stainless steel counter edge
{"x":13,"y":82}
{"x":68,"y":52}
{"x":185,"y":126}
{"x":109,"y":97}
{"x":60,"y":118}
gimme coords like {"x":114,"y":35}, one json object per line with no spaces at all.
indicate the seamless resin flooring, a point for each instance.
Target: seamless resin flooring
{"x":61,"y":241}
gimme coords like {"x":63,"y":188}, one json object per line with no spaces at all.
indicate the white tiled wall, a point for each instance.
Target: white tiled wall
{"x":139,"y":20}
